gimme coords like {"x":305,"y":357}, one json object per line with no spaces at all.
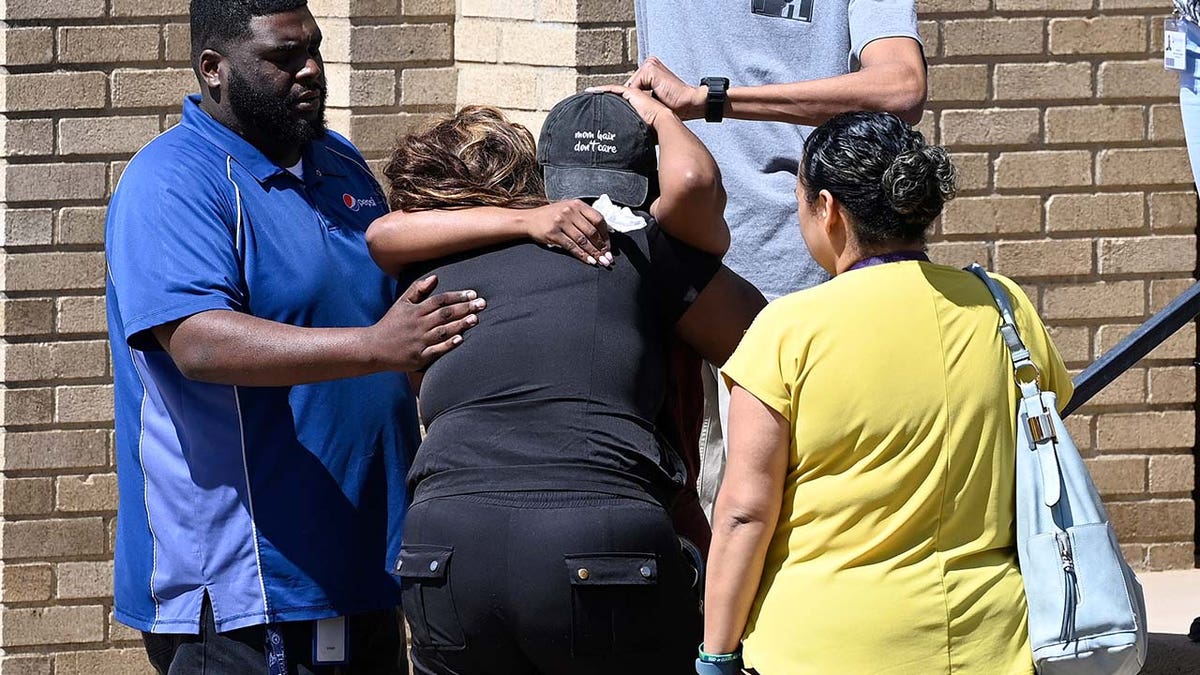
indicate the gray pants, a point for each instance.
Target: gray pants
{"x":714,"y":437}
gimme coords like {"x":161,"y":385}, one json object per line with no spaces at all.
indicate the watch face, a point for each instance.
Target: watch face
{"x":797,"y":10}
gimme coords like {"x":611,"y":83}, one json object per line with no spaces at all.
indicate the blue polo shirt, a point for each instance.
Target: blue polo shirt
{"x":280,"y":503}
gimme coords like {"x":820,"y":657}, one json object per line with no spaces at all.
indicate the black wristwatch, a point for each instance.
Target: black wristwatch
{"x":718,"y":94}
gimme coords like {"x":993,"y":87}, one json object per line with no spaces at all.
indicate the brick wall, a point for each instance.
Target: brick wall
{"x":523,"y":57}
{"x":390,"y":66}
{"x":1064,"y":126}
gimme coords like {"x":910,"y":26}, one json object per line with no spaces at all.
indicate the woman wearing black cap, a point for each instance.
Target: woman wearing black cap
{"x":538,"y":540}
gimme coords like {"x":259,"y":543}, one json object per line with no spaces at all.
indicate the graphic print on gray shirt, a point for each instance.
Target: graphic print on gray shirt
{"x":757,"y":42}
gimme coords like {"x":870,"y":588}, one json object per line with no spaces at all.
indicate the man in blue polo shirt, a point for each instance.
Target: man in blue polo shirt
{"x":262,"y":416}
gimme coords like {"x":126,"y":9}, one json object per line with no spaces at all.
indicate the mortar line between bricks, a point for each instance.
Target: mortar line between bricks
{"x":392,"y":22}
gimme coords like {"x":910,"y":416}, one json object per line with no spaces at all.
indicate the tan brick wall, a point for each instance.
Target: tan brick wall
{"x":1063,"y":124}
{"x":524,"y":57}
{"x":390,"y":66}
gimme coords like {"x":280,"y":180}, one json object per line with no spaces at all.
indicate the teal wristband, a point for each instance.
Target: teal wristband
{"x":735,"y":655}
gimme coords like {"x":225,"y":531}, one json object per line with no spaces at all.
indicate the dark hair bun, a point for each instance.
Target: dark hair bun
{"x":919,"y":182}
{"x":880,"y":168}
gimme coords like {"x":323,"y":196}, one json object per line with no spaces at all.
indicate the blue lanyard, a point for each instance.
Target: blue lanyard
{"x":896,"y":256}
{"x":276,"y":657}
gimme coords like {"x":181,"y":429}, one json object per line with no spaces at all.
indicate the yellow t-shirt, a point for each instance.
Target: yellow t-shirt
{"x":895,"y":549}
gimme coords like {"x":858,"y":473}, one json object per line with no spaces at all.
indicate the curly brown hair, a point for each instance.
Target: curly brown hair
{"x":474,"y":158}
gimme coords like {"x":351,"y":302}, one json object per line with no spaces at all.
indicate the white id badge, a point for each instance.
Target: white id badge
{"x":1174,"y":45}
{"x":330,"y":646}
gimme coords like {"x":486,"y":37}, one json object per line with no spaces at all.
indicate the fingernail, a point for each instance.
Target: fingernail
{"x":607,"y":258}
{"x":590,"y":90}
{"x":457,"y":339}
{"x":591,"y":260}
{"x":469,"y":295}
{"x":479,"y":304}
{"x":472,"y":320}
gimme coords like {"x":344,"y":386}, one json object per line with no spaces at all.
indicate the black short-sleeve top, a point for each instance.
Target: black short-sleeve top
{"x":559,"y":385}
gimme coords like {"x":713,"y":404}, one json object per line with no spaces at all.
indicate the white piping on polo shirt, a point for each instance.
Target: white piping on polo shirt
{"x":146,"y":487}
{"x":262,"y":584}
{"x":237,"y":194}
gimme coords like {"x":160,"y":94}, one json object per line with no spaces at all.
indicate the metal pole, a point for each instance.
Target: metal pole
{"x":1135,"y":346}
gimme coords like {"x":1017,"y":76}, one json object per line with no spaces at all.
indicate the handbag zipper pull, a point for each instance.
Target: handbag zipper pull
{"x":1070,"y":587}
{"x":1064,"y":552}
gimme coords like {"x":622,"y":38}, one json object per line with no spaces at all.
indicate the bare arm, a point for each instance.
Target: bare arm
{"x":892,"y":79}
{"x":227,"y":347}
{"x":720,"y":316}
{"x":744,"y":521}
{"x":691,"y":201}
{"x":404,"y":237}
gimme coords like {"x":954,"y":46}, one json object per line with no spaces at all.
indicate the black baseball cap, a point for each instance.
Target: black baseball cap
{"x":597,"y":144}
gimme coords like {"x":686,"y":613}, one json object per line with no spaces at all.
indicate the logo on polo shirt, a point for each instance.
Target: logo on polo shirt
{"x":355,"y":203}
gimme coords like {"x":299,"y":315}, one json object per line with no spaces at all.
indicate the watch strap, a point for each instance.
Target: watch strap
{"x":718,"y":94}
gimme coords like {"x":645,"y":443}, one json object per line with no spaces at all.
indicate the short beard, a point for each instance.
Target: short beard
{"x":272,"y":119}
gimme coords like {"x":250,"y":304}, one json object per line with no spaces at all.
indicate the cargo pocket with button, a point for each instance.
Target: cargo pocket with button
{"x":614,"y":602}
{"x":428,"y":597}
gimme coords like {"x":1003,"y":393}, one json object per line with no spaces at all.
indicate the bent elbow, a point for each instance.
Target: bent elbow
{"x":911,"y":110}
{"x":696,"y":181}
{"x":910,"y":98}
{"x":735,"y":521}
{"x":378,"y":236}
{"x":195,"y":364}
{"x":745,"y":513}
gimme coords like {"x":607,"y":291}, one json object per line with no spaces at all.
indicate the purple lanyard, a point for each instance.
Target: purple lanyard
{"x":897,"y":256}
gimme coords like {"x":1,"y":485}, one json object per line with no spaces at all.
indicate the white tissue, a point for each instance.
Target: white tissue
{"x":619,"y":218}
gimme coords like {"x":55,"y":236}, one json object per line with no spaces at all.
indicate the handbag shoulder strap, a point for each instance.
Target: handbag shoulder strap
{"x":1039,"y":418}
{"x":1025,"y":370}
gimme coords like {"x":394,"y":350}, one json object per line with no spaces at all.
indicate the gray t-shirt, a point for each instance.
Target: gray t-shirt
{"x":756,"y":42}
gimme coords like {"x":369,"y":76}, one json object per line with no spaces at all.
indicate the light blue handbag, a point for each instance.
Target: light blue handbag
{"x":1086,"y":609}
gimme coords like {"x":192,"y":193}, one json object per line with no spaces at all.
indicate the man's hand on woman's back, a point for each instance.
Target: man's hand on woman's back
{"x":420,"y":326}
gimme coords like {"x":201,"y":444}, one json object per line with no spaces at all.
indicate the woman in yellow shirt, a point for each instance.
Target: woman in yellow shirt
{"x":866,"y":520}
